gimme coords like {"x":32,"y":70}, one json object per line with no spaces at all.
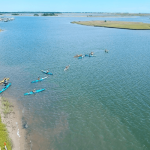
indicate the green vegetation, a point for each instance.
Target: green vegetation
{"x":36,"y":14}
{"x":118,"y":14}
{"x":15,"y":14}
{"x":1,"y":14}
{"x":49,"y":14}
{"x":130,"y":14}
{"x":4,"y":137}
{"x":116,"y":24}
{"x":6,"y":106}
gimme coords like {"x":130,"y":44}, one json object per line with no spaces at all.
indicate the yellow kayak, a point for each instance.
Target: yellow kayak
{"x":2,"y":81}
{"x":78,"y":55}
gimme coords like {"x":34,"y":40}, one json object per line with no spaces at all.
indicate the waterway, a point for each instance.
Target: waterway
{"x":100,"y":102}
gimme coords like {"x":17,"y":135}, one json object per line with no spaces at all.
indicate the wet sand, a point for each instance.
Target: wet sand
{"x":17,"y":133}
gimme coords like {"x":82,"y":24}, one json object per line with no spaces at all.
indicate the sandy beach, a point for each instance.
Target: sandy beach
{"x":14,"y":127}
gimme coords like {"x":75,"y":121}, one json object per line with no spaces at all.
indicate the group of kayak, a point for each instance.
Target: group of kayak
{"x":86,"y":55}
{"x":38,"y":79}
{"x":80,"y":56}
{"x":6,"y":84}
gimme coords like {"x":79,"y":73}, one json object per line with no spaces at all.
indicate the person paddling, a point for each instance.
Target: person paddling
{"x":67,"y":67}
{"x":38,"y":77}
{"x":106,"y":51}
{"x":91,"y":54}
{"x":34,"y":90}
{"x":5,"y":82}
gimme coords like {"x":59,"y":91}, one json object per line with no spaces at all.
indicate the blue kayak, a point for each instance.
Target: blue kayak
{"x":88,"y":55}
{"x":5,"y":88}
{"x":80,"y":57}
{"x":36,"y":91}
{"x":92,"y":55}
{"x":38,"y":80}
{"x":49,"y":73}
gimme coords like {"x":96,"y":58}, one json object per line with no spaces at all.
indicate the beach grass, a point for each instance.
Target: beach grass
{"x":6,"y":106}
{"x":4,"y":137}
{"x":116,"y":24}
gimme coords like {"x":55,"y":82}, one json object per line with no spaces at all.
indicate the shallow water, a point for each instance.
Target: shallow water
{"x":100,"y":102}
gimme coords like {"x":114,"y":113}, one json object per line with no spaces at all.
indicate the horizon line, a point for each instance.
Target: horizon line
{"x":64,"y":12}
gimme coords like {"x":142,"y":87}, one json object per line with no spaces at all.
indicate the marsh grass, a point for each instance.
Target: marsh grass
{"x":4,"y":137}
{"x":6,"y":106}
{"x":116,"y":24}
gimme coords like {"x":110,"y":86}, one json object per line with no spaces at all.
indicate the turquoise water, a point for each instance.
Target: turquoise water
{"x":100,"y":102}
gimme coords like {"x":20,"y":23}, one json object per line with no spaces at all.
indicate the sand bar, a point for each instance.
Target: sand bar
{"x":13,"y":122}
{"x":116,"y":24}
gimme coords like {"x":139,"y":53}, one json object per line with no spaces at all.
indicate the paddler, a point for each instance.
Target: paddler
{"x":67,"y":67}
{"x":47,"y":71}
{"x":106,"y":51}
{"x":5,"y":82}
{"x":34,"y":90}
{"x":91,"y":53}
{"x":38,"y":77}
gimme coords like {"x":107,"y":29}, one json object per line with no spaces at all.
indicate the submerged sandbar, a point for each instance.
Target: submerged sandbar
{"x":116,"y":24}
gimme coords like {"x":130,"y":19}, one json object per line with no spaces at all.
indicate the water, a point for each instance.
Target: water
{"x":100,"y":102}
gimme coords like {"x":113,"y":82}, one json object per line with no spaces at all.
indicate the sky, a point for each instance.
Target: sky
{"x":130,"y":6}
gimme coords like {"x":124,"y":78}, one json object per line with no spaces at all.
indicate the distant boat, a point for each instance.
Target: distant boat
{"x":12,"y":18}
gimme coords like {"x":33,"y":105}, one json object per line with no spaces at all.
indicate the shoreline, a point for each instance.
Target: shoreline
{"x":13,"y":122}
{"x":75,"y":14}
{"x":115,"y":24}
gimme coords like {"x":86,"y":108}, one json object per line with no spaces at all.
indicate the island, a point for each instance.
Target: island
{"x":116,"y":24}
{"x":49,"y":14}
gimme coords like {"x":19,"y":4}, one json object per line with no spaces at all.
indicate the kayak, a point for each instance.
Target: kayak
{"x":5,"y":88}
{"x":92,"y":55}
{"x":36,"y":91}
{"x":49,"y":73}
{"x":80,"y":57}
{"x":87,"y":55}
{"x":67,"y":68}
{"x":38,"y":80}
{"x":2,"y":81}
